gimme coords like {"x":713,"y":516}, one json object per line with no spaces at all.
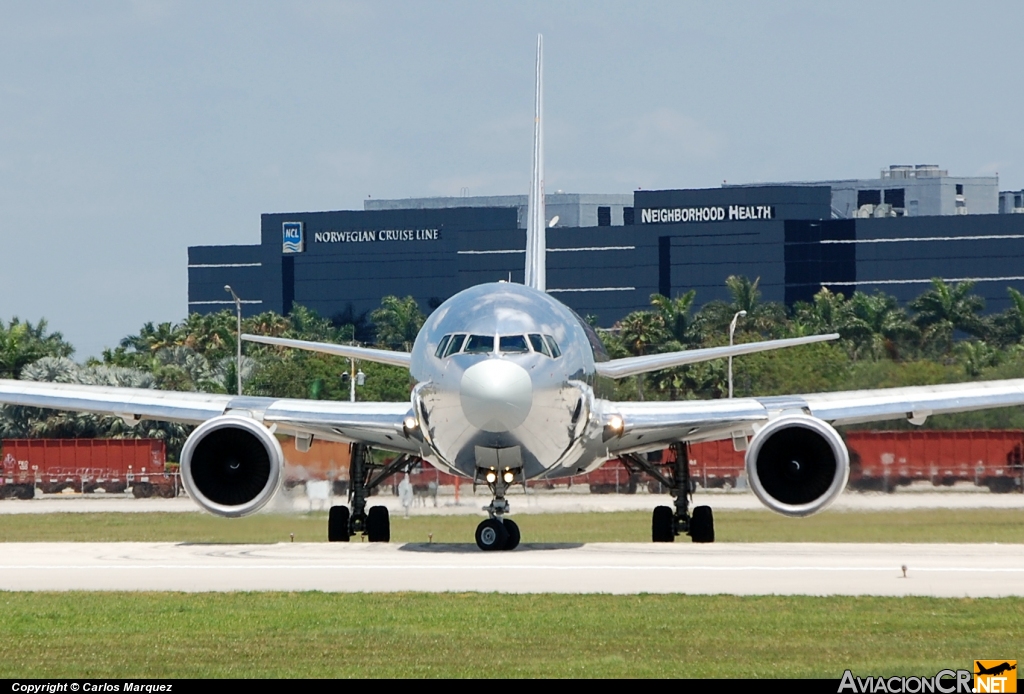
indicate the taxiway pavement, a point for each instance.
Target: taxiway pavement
{"x":941,"y":570}
{"x":560,"y":501}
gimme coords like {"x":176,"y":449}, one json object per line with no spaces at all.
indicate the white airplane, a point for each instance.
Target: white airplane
{"x":505,"y":378}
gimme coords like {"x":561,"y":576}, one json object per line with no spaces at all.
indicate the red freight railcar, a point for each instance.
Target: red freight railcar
{"x":886,"y":459}
{"x":85,"y":465}
{"x":883,"y":460}
{"x":324,"y":460}
{"x":713,"y":464}
{"x":610,"y":478}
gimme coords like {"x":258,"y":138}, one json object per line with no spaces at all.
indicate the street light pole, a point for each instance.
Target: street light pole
{"x":732,"y":331}
{"x":238,"y":355}
{"x":355,"y":378}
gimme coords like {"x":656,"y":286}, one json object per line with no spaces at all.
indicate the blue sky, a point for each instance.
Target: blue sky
{"x":131,"y":130}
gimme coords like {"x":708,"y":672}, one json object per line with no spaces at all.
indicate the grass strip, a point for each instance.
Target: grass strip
{"x":928,"y":525}
{"x":79,"y":635}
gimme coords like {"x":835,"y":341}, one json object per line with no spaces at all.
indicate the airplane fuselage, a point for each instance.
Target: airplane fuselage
{"x":505,"y":377}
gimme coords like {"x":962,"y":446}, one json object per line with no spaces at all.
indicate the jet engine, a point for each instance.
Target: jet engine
{"x":232,"y":465}
{"x":797,"y":465}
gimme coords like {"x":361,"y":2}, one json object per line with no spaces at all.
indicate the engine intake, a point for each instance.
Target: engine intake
{"x":797,"y":465}
{"x":232,"y":465}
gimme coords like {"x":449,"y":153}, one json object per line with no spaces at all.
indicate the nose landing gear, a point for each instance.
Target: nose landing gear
{"x":497,"y":532}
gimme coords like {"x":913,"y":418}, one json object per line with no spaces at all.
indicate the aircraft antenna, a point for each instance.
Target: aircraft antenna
{"x":536,"y":226}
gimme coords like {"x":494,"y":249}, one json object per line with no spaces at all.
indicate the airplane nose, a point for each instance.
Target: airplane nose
{"x":496,"y":395}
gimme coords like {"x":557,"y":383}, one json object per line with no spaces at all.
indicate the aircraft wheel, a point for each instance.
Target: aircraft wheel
{"x":378,"y":524}
{"x":513,"y":534}
{"x":702,"y":525}
{"x":337,"y":524}
{"x":491,"y":535}
{"x":662,"y":525}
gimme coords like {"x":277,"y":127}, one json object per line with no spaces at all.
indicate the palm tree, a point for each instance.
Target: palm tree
{"x":945,"y":309}
{"x":675,"y":314}
{"x":829,"y":312}
{"x":745,"y":294}
{"x":267,"y":323}
{"x":152,"y":338}
{"x":879,"y":327}
{"x":306,"y":324}
{"x":767,"y":318}
{"x":211,"y":334}
{"x":398,"y":321}
{"x":22,"y":343}
{"x":977,"y":355}
{"x":1008,"y":326}
{"x":639,"y":333}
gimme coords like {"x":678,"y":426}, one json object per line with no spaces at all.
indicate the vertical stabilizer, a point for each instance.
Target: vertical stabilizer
{"x":536,"y":225}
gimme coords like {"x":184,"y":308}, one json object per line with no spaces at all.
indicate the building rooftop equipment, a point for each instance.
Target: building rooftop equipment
{"x":571,"y":209}
{"x":903,"y":190}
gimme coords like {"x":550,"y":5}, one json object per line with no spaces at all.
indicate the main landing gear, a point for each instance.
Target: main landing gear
{"x":497,"y":532}
{"x":375,"y":524}
{"x":666,"y":522}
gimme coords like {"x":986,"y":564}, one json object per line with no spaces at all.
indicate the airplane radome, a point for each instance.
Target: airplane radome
{"x":505,"y":393}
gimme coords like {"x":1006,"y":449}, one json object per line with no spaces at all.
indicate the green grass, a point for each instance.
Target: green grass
{"x":87,"y":634}
{"x":930,"y":525}
{"x":79,"y":635}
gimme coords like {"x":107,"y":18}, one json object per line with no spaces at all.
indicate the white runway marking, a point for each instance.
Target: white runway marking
{"x":743,"y":569}
{"x":560,"y":501}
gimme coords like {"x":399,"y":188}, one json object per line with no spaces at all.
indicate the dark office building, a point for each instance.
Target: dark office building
{"x":667,"y":242}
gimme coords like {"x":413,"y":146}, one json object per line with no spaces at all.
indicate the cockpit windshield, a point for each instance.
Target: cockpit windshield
{"x":507,"y":344}
{"x":539,"y":345}
{"x":513,"y":344}
{"x":455,"y":345}
{"x":479,"y":344}
{"x":441,"y":346}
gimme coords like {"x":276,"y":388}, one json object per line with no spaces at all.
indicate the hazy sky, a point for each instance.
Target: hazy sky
{"x":131,"y":130}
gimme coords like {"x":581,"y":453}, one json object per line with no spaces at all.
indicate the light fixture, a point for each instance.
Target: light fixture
{"x":508,"y":476}
{"x":491,"y":477}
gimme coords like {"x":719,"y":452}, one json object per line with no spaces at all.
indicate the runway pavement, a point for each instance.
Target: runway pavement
{"x":560,"y":501}
{"x":743,"y":569}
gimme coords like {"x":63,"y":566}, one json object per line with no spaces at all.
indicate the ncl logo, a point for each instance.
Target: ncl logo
{"x":294,"y":239}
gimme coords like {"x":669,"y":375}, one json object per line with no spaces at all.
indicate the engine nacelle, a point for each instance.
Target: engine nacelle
{"x":797,"y":465}
{"x":232,"y":465}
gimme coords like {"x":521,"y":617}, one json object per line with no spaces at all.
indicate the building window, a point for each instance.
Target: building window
{"x":959,"y":188}
{"x":627,"y":216}
{"x":895,"y":197}
{"x":869,"y":197}
{"x":604,"y":216}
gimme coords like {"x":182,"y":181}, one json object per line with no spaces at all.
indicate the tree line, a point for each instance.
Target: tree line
{"x":941,"y":336}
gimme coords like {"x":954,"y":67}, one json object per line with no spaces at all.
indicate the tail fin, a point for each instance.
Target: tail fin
{"x":536,"y":224}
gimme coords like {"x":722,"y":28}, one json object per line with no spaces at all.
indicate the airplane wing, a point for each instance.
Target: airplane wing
{"x":375,"y":423}
{"x":382,"y":356}
{"x":652,"y":425}
{"x":631,"y":366}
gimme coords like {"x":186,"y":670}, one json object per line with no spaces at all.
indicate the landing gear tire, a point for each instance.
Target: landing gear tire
{"x":513,"y":534}
{"x":491,"y":535}
{"x":378,"y":524}
{"x":663,"y":525}
{"x":337,"y":524}
{"x":702,"y":525}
